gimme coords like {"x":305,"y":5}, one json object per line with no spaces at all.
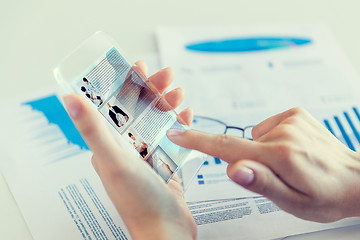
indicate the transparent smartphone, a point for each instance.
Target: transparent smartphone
{"x":98,"y":71}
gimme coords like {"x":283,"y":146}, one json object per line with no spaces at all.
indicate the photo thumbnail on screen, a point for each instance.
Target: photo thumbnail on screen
{"x":139,"y":114}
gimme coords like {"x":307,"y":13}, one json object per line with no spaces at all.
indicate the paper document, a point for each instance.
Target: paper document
{"x":66,"y":200}
{"x":212,"y":182}
{"x":52,"y":178}
{"x":222,"y":80}
{"x":252,"y":219}
{"x":243,"y":75}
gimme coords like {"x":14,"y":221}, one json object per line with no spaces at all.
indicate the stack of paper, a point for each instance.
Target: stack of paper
{"x":239,"y":75}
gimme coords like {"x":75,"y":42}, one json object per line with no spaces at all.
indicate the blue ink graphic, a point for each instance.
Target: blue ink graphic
{"x":356,"y":113}
{"x":343,"y":132}
{"x":352,"y":126}
{"x":328,"y":126}
{"x":250,"y":44}
{"x":217,"y":161}
{"x":55,"y":113}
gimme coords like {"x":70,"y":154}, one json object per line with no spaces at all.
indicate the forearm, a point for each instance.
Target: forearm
{"x":352,"y":194}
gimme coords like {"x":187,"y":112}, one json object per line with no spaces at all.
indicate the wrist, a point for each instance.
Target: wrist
{"x":156,"y":229}
{"x":352,"y":196}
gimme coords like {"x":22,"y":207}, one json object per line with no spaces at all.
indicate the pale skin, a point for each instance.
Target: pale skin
{"x":150,"y":208}
{"x":293,"y":160}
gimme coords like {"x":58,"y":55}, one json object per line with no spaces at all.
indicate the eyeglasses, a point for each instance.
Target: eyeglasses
{"x":215,"y":126}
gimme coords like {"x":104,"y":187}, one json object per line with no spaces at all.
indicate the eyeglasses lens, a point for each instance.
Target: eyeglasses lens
{"x":209,"y":126}
{"x":234,"y":132}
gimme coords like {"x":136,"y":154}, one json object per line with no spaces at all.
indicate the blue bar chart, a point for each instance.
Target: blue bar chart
{"x":214,"y":160}
{"x":55,"y":136}
{"x":346,"y":127}
{"x":211,"y":174}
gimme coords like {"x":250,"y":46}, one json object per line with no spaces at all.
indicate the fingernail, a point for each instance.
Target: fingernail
{"x":174,"y":132}
{"x":244,"y":176}
{"x":72,"y":106}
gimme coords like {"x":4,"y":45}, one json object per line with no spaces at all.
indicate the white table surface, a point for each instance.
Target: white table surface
{"x":35,"y":35}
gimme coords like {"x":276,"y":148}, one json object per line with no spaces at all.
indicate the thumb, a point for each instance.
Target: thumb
{"x":259,"y":178}
{"x":91,"y":126}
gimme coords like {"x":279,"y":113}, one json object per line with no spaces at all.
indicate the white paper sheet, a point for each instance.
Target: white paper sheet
{"x":252,"y":219}
{"x":219,"y":84}
{"x":212,"y":183}
{"x":49,"y":157}
{"x":37,"y":132}
{"x":50,"y":175}
{"x":243,"y":89}
{"x":66,"y":200}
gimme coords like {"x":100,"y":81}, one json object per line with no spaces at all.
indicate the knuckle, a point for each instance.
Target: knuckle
{"x":284,"y":151}
{"x":219,"y":143}
{"x":221,"y":140}
{"x":285,"y":131}
{"x":87,"y":130}
{"x":297,"y":111}
{"x":255,"y":131}
{"x":292,"y":120}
